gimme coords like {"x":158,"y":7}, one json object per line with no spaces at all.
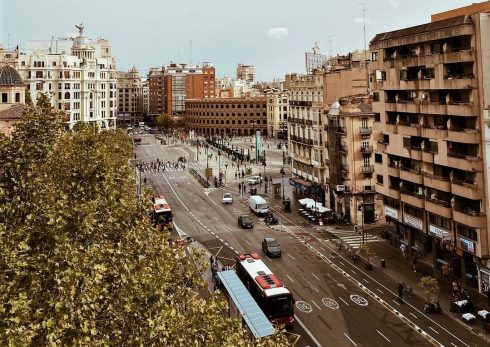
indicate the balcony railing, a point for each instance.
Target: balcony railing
{"x":343,"y":148}
{"x":342,"y":130}
{"x":367,"y":169}
{"x":439,"y":202}
{"x":366,"y":149}
{"x":365,"y":131}
{"x":468,"y":211}
{"x":369,"y":189}
{"x":344,"y":167}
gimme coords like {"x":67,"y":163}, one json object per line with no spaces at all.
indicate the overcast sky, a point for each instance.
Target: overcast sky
{"x":270,"y":34}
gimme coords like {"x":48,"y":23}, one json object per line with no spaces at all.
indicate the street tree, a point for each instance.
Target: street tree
{"x":79,"y":260}
{"x":165,"y":121}
{"x":430,"y":286}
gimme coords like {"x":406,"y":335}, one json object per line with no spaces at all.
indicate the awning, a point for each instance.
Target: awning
{"x":306,"y":201}
{"x":300,"y":183}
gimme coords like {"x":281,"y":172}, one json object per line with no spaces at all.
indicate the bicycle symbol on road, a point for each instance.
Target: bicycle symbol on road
{"x":330,"y":303}
{"x":304,"y":306}
{"x":359,"y":300}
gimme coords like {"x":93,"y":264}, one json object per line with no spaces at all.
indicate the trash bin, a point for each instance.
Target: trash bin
{"x":383,"y":263}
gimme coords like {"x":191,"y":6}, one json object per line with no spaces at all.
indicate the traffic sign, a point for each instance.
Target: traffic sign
{"x":208,"y":172}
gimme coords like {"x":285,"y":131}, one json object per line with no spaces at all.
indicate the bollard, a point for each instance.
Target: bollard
{"x":383,"y":263}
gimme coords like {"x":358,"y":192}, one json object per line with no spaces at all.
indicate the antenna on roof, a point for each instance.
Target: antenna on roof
{"x":191,"y":52}
{"x":330,"y":43}
{"x":365,"y":45}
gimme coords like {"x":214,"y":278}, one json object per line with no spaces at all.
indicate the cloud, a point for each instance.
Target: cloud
{"x":360,"y":20}
{"x":277,"y":33}
{"x":395,"y":3}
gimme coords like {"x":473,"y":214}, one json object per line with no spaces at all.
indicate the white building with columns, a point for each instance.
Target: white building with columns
{"x":79,"y":74}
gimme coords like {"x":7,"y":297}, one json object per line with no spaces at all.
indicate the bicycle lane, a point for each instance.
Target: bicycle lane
{"x":439,"y":327}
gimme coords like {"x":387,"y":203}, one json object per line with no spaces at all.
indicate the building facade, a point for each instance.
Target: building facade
{"x":305,"y":132}
{"x":145,"y":89}
{"x":230,"y":116}
{"x":130,"y":97}
{"x":350,"y":141}
{"x":79,"y":74}
{"x":431,"y":105}
{"x":171,"y":85}
{"x":12,"y":98}
{"x":245,"y":73}
{"x":277,"y":114}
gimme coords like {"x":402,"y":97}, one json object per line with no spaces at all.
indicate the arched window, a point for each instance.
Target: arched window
{"x":67,"y":95}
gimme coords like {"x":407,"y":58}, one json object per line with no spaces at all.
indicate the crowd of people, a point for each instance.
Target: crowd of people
{"x":161,"y":166}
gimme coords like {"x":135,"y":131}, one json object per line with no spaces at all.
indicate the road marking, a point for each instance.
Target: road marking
{"x":342,"y":263}
{"x":307,"y":331}
{"x":355,"y":273}
{"x":331,"y":303}
{"x":248,"y":242}
{"x":345,"y":302}
{"x":379,"y":332}
{"x":379,"y":290}
{"x":412,"y":314}
{"x":290,"y":256}
{"x":304,"y":306}
{"x":454,"y":344}
{"x":350,"y":339}
{"x":359,"y":300}
{"x":314,"y":303}
{"x":396,"y":302}
{"x":365,"y":280}
{"x":315,"y":276}
{"x":290,"y":278}
{"x":434,"y":330}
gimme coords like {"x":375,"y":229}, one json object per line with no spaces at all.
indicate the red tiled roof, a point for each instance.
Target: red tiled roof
{"x":13,"y":113}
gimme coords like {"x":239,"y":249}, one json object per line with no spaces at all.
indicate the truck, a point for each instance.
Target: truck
{"x":258,"y":205}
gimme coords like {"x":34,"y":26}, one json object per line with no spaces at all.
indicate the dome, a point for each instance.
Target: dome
{"x":10,"y":77}
{"x":335,"y":109}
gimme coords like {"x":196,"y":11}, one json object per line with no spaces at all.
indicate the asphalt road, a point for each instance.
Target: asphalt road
{"x":337,"y":301}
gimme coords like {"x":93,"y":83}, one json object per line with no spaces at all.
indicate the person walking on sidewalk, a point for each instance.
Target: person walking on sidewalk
{"x":403,"y":249}
{"x":400,"y":292}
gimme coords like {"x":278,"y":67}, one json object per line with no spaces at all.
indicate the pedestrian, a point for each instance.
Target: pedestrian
{"x":244,"y":189}
{"x":414,"y":262}
{"x":400,"y":292}
{"x":403,"y":249}
{"x":243,"y":174}
{"x":211,"y":261}
{"x":355,"y":229}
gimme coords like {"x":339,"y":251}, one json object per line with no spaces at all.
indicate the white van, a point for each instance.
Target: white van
{"x":258,"y":205}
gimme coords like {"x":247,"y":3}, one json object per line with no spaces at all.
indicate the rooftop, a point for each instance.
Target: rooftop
{"x":10,"y":77}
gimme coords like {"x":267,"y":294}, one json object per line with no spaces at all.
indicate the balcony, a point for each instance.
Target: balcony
{"x":461,"y":109}
{"x":367,"y":169}
{"x":365,"y":132}
{"x":394,"y":192}
{"x":439,"y":207}
{"x":436,"y":182}
{"x":343,"y":148}
{"x":344,"y":167}
{"x":470,"y":136}
{"x":464,"y":162}
{"x":433,"y":132}
{"x":393,"y":170}
{"x":409,"y":129}
{"x":369,"y":189}
{"x":367,"y":150}
{"x":300,"y":103}
{"x":411,"y":175}
{"x":412,"y":198}
{"x":415,"y":153}
{"x":342,"y":130}
{"x":381,"y":146}
{"x":470,"y":218}
{"x":467,"y":55}
{"x":467,"y":189}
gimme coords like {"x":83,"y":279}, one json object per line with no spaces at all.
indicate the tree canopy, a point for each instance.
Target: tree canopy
{"x":80,"y":263}
{"x":165,"y":121}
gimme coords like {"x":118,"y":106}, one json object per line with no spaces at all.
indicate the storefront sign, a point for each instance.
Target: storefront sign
{"x":340,"y":188}
{"x":413,"y":221}
{"x":438,"y":232}
{"x":467,"y":245}
{"x":391,"y":212}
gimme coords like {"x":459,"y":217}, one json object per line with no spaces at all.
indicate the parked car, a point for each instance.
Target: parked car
{"x":152,"y":131}
{"x":245,"y":222}
{"x":254,"y":180}
{"x":227,"y":198}
{"x":271,"y":247}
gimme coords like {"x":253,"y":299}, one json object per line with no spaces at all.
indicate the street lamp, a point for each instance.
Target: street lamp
{"x":266,"y":182}
{"x":282,"y":179}
{"x":219,"y":167}
{"x":255,"y":141}
{"x":360,"y":207}
{"x":226,"y":167}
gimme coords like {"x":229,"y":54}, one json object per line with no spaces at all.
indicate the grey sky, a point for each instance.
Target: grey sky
{"x":270,"y":34}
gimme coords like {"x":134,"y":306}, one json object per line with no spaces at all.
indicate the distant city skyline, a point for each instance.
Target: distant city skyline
{"x":272,"y":35}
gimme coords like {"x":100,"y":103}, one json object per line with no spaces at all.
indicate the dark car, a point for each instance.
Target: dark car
{"x":245,"y":222}
{"x":271,"y":247}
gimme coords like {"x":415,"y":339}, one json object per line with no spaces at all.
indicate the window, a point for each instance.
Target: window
{"x":378,"y":158}
{"x":440,"y":221}
{"x":17,"y":97}
{"x":467,"y":232}
{"x":5,"y":97}
{"x":379,"y":179}
{"x":375,"y":96}
{"x":416,"y":212}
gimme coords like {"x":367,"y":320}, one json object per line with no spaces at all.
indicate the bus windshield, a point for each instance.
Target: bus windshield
{"x":163,"y":217}
{"x":280,"y":306}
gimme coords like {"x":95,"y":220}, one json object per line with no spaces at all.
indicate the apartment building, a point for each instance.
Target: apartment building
{"x":431,"y":105}
{"x":277,"y":113}
{"x":227,"y":116}
{"x":78,"y":73}
{"x":245,"y":73}
{"x":171,"y":85}
{"x":305,"y":132}
{"x":130,"y":96}
{"x":350,"y":162}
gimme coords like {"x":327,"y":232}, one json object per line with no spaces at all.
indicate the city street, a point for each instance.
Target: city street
{"x":337,"y":301}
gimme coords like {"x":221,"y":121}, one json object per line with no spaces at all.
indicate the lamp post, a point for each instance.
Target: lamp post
{"x":282,"y":182}
{"x":226,"y":168}
{"x":255,"y":141}
{"x":219,"y":167}
{"x":360,"y":207}
{"x":266,"y":182}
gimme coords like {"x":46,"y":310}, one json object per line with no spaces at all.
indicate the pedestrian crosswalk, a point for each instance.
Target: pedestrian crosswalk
{"x":352,"y":239}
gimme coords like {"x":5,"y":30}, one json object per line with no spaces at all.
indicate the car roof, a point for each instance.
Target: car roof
{"x":227,"y":194}
{"x":245,"y":216}
{"x":270,"y":239}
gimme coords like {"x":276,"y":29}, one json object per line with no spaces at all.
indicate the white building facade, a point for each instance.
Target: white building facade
{"x":79,"y":74}
{"x":277,"y":114}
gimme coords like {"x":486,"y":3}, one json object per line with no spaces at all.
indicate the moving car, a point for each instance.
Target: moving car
{"x":258,"y":205}
{"x":227,"y":198}
{"x":271,"y":247}
{"x":245,"y":222}
{"x":254,"y":180}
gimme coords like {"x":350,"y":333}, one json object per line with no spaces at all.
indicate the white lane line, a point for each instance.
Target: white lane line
{"x":290,"y":278}
{"x":248,"y":242}
{"x":315,"y":276}
{"x":314,"y":303}
{"x":396,"y":302}
{"x":342,"y":263}
{"x":350,"y":339}
{"x":379,"y":290}
{"x":379,"y":332}
{"x":290,"y":256}
{"x":307,"y":331}
{"x":365,"y":280}
{"x":353,"y":272}
{"x":434,"y":330}
{"x":345,"y":302}
{"x":454,"y":344}
{"x":412,"y":314}
{"x":212,"y":232}
{"x":232,"y":248}
{"x":226,"y":244}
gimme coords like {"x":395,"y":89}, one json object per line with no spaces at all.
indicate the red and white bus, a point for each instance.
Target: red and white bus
{"x":161,"y":214}
{"x":266,"y":288}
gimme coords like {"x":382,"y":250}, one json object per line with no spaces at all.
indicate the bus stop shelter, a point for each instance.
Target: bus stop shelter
{"x":241,"y":303}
